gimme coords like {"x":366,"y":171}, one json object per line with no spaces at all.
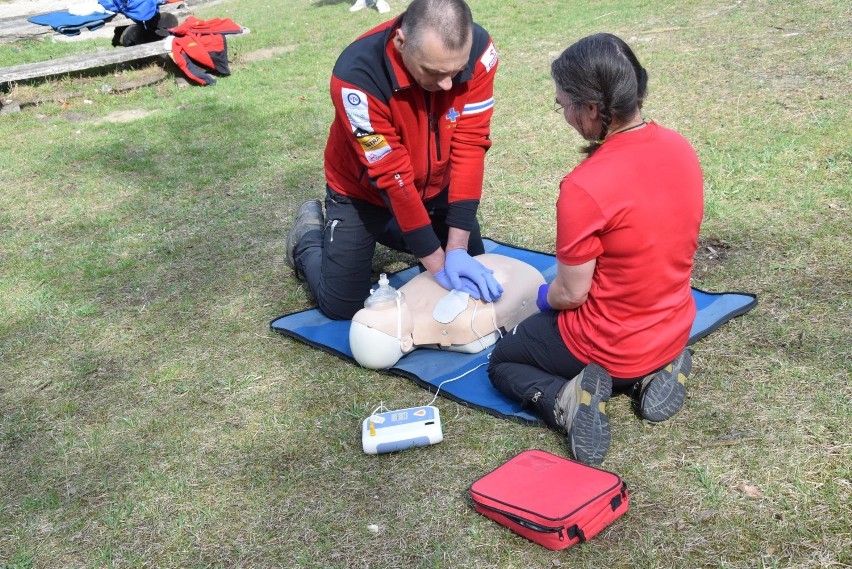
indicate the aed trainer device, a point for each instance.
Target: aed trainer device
{"x":392,"y":431}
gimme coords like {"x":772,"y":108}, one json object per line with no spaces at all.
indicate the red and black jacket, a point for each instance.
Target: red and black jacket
{"x":396,"y":145}
{"x":198,"y":47}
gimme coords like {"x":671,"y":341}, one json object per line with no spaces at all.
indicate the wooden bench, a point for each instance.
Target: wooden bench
{"x":19,"y":29}
{"x":81,"y":62}
{"x":86,"y":61}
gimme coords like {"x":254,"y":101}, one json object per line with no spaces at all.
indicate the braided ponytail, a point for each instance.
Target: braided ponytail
{"x":606,"y":120}
{"x":642,"y":83}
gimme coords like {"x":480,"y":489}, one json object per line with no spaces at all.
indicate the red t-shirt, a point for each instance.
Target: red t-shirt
{"x":635,"y":206}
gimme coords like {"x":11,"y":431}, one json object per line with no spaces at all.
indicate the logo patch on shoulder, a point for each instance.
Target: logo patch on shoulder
{"x":357,"y":109}
{"x":489,"y":58}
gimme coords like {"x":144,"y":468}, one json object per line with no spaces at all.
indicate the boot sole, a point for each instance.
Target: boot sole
{"x":665,"y":394}
{"x":590,"y":435}
{"x":302,"y":225}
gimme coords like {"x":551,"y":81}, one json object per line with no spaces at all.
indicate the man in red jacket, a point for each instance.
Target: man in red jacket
{"x":404,"y":161}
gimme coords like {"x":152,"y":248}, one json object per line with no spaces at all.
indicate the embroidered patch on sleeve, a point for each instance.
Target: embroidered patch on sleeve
{"x":375,"y":146}
{"x":480,"y":107}
{"x":355,"y":104}
{"x":489,"y":58}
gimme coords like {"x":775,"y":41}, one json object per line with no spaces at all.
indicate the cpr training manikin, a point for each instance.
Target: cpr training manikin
{"x":423,"y":314}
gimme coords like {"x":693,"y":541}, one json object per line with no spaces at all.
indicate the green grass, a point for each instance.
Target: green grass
{"x":148,"y":417}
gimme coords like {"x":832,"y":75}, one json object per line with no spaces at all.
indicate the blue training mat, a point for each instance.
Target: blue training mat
{"x":429,"y":367}
{"x":66,"y":23}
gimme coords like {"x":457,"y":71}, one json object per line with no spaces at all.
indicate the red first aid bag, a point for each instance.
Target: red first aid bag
{"x":553,"y":501}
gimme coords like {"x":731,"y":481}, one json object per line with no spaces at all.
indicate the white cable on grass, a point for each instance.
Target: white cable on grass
{"x":379,"y":408}
{"x":453,"y":379}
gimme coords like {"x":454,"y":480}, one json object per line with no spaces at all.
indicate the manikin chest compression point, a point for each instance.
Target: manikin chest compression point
{"x":426,"y":315}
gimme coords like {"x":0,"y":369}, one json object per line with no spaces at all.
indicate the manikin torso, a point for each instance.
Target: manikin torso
{"x":429,"y":316}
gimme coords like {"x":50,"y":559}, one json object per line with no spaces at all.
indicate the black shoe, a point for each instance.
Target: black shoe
{"x":308,"y":217}
{"x":164,"y":23}
{"x":661,"y":394}
{"x":580,"y":409}
{"x":116,"y":35}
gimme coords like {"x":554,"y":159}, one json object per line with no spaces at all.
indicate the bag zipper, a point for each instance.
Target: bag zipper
{"x":560,"y":530}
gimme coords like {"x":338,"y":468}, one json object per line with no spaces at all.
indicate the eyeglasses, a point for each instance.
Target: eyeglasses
{"x":557,"y":107}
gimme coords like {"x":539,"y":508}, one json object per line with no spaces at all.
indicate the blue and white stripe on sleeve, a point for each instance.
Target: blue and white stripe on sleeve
{"x":475,"y":108}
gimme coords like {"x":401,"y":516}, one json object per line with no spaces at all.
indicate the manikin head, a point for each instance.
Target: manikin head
{"x":380,"y":335}
{"x":432,"y":317}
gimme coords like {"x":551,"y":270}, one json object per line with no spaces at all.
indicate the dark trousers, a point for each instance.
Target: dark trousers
{"x":531,"y":363}
{"x":337,"y":262}
{"x":148,"y":31}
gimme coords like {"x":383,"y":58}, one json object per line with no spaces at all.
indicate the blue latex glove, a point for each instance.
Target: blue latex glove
{"x":467,"y":285}
{"x":541,"y":301}
{"x":459,"y":264}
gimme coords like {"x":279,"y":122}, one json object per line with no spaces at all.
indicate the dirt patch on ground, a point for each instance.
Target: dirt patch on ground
{"x":711,"y":253}
{"x":125,"y":116}
{"x":71,"y":90}
{"x":267,"y":53}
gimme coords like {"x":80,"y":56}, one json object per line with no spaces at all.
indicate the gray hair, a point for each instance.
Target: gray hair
{"x":451,"y":19}
{"x":601,"y":69}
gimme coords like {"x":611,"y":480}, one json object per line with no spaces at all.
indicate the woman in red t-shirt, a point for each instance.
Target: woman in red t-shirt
{"x":619,"y":312}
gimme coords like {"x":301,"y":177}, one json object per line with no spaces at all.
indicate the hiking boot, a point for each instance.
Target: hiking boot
{"x":308,"y":218}
{"x":580,"y":409}
{"x":382,"y":6}
{"x":661,"y":394}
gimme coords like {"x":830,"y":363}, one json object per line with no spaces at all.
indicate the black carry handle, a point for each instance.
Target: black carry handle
{"x":575,"y":531}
